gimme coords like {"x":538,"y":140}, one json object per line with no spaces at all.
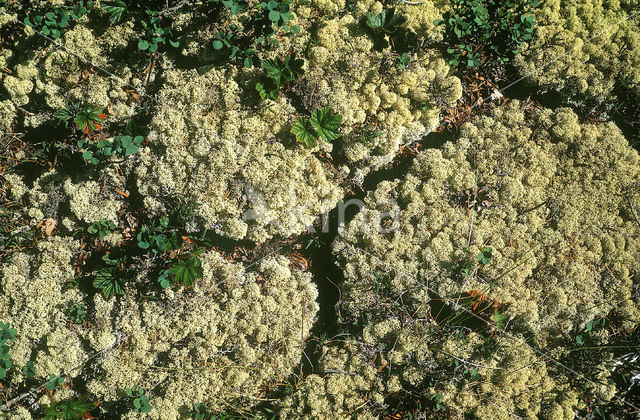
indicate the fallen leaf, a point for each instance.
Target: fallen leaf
{"x":47,"y":225}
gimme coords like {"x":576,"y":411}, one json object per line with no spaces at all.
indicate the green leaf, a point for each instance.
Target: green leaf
{"x":485,"y":256}
{"x":274,"y":16}
{"x":115,"y":9}
{"x":187,"y":271}
{"x":217,"y":44}
{"x":165,"y":279}
{"x":326,"y":123}
{"x":87,"y":155}
{"x":143,"y":44}
{"x":273,"y":71}
{"x":304,"y":132}
{"x":174,"y":44}
{"x":109,"y":283}
{"x":499,"y":319}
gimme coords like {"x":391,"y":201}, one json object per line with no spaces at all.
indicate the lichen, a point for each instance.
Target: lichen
{"x":35,"y":288}
{"x":585,"y":50}
{"x":551,"y":200}
{"x":233,"y":332}
{"x":229,"y":160}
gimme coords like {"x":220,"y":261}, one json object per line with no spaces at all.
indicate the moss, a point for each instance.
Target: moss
{"x":363,"y":86}
{"x":57,"y":77}
{"x":18,"y":188}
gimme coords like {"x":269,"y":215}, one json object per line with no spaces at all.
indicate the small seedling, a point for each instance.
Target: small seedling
{"x":386,"y":21}
{"x":200,"y":412}
{"x":499,"y":318}
{"x":28,"y":370}
{"x":87,"y":118}
{"x":188,"y":270}
{"x":76,"y":312}
{"x":277,"y":12}
{"x":108,"y":280}
{"x":166,"y":279}
{"x":402,"y":61}
{"x":437,"y":404}
{"x":157,"y":237}
{"x":55,"y":21}
{"x":467,"y":270}
{"x":155,"y":34}
{"x":485,"y":256}
{"x":6,"y":334}
{"x":68,"y":410}
{"x":383,"y":284}
{"x":122,"y":145}
{"x":140,"y":401}
{"x":280,"y":73}
{"x":102,"y":228}
{"x":315,"y":242}
{"x":495,"y":27}
{"x":590,"y":329}
{"x":54,"y":382}
{"x":323,"y":124}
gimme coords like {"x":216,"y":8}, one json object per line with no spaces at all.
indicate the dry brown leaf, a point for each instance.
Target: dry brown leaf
{"x":47,"y":225}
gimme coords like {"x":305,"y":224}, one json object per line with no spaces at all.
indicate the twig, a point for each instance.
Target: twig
{"x":339,"y":371}
{"x":411,"y":3}
{"x":633,"y":211}
{"x":170,"y":10}
{"x":473,"y":214}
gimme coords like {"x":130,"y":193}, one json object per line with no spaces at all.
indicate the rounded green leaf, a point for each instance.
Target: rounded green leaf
{"x":143,"y":44}
{"x":274,"y":16}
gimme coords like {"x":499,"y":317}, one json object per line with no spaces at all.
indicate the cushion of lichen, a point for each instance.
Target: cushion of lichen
{"x":557,"y":215}
{"x":598,"y":46}
{"x":341,"y":388}
{"x":45,"y":79}
{"x":219,"y":341}
{"x":88,"y":201}
{"x":231,"y":161}
{"x":564,"y":239}
{"x":364,"y":85}
{"x":357,"y":375}
{"x":33,"y":294}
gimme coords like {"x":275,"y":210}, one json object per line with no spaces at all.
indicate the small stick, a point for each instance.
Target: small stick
{"x":473,"y":214}
{"x":124,"y":194}
{"x":633,"y":211}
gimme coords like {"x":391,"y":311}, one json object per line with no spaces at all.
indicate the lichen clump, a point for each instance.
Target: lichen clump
{"x":551,"y":198}
{"x":221,"y":341}
{"x":587,"y":50}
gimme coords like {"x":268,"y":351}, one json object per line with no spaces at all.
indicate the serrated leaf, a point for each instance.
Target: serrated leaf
{"x":187,"y":271}
{"x":326,"y":123}
{"x":115,"y":9}
{"x":304,"y":132}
